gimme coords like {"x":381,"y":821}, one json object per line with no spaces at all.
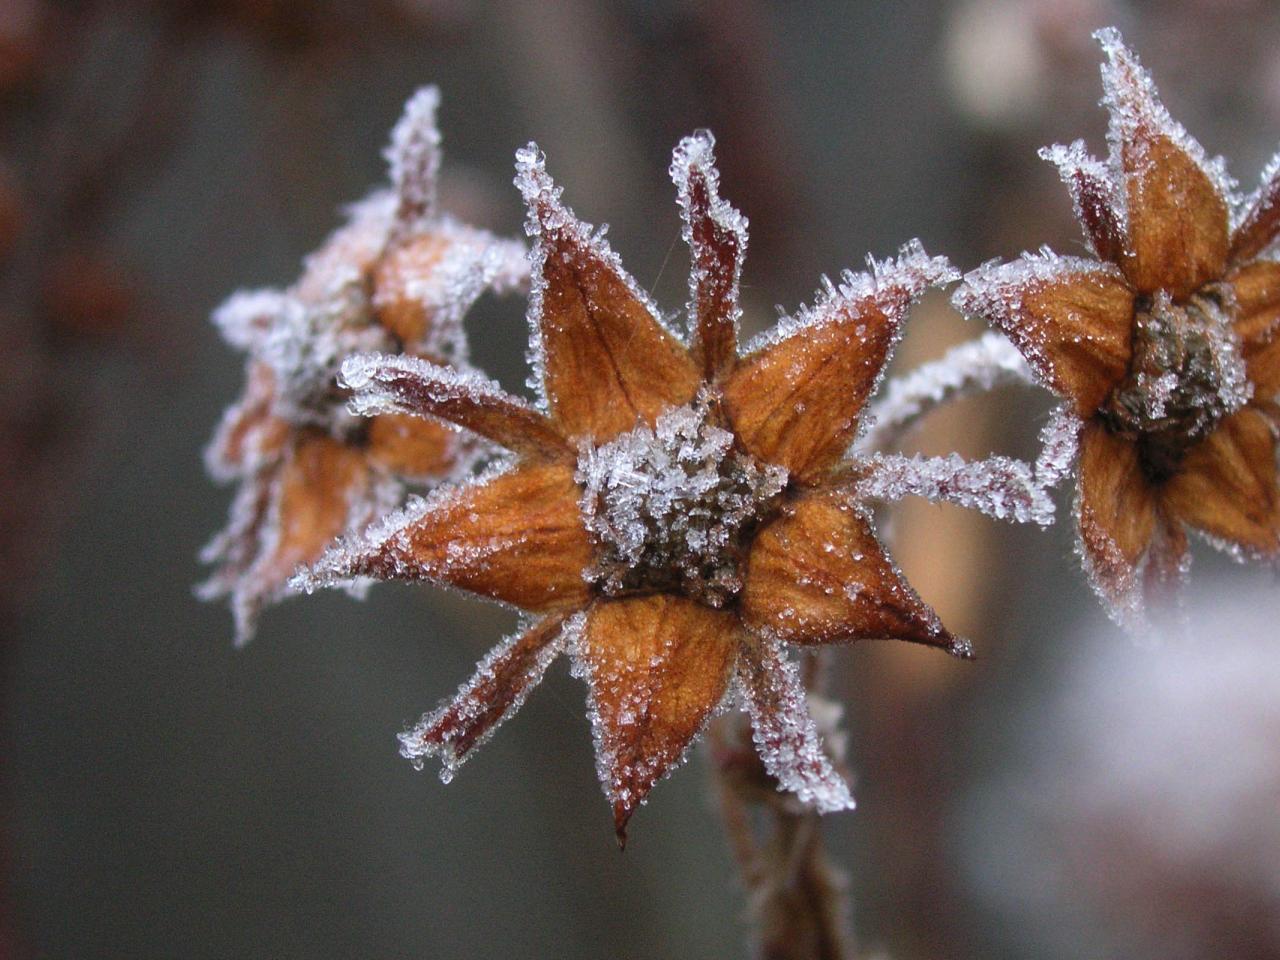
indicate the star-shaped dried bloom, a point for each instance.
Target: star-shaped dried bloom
{"x":674,"y":514}
{"x":1165,"y":346}
{"x":397,"y":277}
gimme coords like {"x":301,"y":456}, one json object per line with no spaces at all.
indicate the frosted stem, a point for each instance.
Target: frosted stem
{"x":971,"y":368}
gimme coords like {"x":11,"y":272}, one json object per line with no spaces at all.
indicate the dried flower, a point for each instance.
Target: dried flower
{"x":673,"y":515}
{"x":397,"y":277}
{"x":1164,"y":346}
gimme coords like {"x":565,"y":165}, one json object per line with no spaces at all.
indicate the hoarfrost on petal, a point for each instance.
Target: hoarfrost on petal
{"x":1095,"y":195}
{"x":784,"y":732}
{"x":1000,"y":487}
{"x":1060,"y":444}
{"x":1130,"y":96}
{"x":889,"y":285}
{"x":338,"y":565}
{"x":717,"y":237}
{"x":970,"y":368}
{"x":413,"y":159}
{"x":548,"y":218}
{"x":498,"y":688}
{"x":245,"y":318}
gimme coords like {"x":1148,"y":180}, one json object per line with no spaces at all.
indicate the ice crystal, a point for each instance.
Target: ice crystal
{"x":1000,"y":487}
{"x":673,"y":499}
{"x":784,"y":732}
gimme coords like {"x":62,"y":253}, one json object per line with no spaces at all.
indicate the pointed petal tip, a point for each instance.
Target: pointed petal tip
{"x":695,"y":150}
{"x":962,"y":648}
{"x":621,"y":817}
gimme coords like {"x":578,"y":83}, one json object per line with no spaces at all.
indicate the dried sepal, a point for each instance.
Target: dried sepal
{"x":1259,"y":225}
{"x":1116,"y":514}
{"x":414,"y":449}
{"x":1228,"y":487}
{"x":515,"y":536}
{"x":796,"y":398}
{"x":975,"y":367}
{"x":657,"y":666}
{"x":1093,"y":195}
{"x":603,"y":356}
{"x":1000,"y":487}
{"x":717,"y":237}
{"x":1059,"y":447}
{"x":497,"y":690}
{"x":413,"y":160}
{"x":818,"y":574}
{"x":1070,"y":317}
{"x":382,"y":384}
{"x":249,"y":435}
{"x":1256,"y":287}
{"x":785,"y":736}
{"x":1175,"y":200}
{"x":424,"y":286}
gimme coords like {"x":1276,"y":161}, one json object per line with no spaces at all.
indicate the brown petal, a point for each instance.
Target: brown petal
{"x":786,"y":738}
{"x":412,"y":447}
{"x":658,"y":666}
{"x":1115,"y":511}
{"x":795,"y":401}
{"x":817,"y":574}
{"x":1177,"y":213}
{"x":319,"y":485}
{"x":1093,"y":194}
{"x":501,"y":682}
{"x":400,"y":306}
{"x":1071,"y":318}
{"x":348,"y":255}
{"x":717,"y":238}
{"x":516,"y":537}
{"x":381,"y":383}
{"x":1257,"y":293}
{"x":606,"y":361}
{"x":1260,"y":226}
{"x":1227,"y":486}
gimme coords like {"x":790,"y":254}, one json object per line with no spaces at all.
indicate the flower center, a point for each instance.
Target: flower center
{"x":1186,"y":375}
{"x":670,"y":508}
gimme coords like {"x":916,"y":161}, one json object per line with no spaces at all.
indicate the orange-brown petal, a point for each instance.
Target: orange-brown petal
{"x":1093,"y":194}
{"x":795,"y":400}
{"x":1260,"y":226}
{"x":397,"y":282}
{"x":605,"y":359}
{"x":717,"y":238}
{"x":1115,"y":511}
{"x":516,"y":537}
{"x":381,"y":383}
{"x":411,"y":446}
{"x":1257,"y":293}
{"x":1228,"y":486}
{"x":658,"y":666}
{"x":1071,"y":318}
{"x":1176,"y":210}
{"x":497,"y":689}
{"x":319,"y":485}
{"x":818,"y":574}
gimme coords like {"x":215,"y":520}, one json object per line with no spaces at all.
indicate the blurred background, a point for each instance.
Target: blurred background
{"x":1068,"y":795}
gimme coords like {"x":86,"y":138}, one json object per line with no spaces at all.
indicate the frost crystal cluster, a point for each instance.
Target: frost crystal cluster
{"x":667,"y":506}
